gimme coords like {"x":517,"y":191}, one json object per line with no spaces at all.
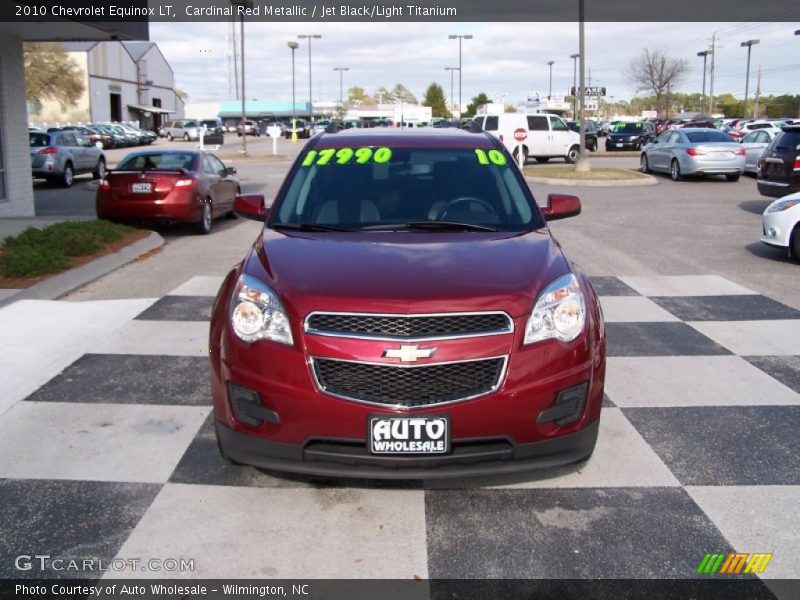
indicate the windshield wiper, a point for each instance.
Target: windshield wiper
{"x":431,"y":226}
{"x":309,"y":227}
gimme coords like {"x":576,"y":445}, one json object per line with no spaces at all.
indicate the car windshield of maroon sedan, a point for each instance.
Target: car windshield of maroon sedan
{"x":166,"y":161}
{"x":385,"y":188}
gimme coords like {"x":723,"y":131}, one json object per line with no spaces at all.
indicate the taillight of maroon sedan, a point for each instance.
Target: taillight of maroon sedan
{"x":168,"y":187}
{"x":405,"y":313}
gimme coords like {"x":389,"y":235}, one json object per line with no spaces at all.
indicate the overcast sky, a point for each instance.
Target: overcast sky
{"x":503,"y":58}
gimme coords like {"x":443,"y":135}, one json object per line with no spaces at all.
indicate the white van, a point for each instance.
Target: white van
{"x":547,"y":136}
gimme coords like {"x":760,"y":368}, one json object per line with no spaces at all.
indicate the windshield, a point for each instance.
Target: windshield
{"x":166,"y":161}
{"x":363,"y":188}
{"x":632,"y":128}
{"x":708,"y":136}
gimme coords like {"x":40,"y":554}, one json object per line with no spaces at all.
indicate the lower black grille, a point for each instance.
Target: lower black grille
{"x":409,"y":386}
{"x":409,"y":326}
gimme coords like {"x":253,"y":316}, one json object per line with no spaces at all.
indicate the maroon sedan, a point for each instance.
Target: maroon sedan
{"x":406,"y":313}
{"x":168,"y":187}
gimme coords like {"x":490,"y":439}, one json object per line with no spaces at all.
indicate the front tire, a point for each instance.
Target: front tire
{"x":185,"y":137}
{"x":169,"y":137}
{"x":593,"y":147}
{"x":795,"y":243}
{"x":204,"y":226}
{"x":573,"y":155}
{"x":100,"y":170}
{"x":644,"y":165}
{"x":675,"y":170}
{"x":68,"y":176}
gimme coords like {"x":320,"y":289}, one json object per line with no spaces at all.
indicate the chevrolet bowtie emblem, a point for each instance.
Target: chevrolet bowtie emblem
{"x":409,"y":353}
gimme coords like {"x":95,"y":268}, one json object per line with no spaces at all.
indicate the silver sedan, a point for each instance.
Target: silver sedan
{"x":754,"y":144}
{"x":694,"y":151}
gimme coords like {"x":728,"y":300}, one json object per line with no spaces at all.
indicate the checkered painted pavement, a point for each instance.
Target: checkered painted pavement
{"x":107,"y":449}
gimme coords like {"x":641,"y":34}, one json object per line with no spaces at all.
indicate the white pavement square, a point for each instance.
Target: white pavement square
{"x":633,"y":309}
{"x":200,"y":285}
{"x":285,"y":533}
{"x":759,"y":518}
{"x":621,"y":459}
{"x":703,"y":381}
{"x":685,"y":285}
{"x":42,"y":337}
{"x":174,"y":338}
{"x":754,"y":338}
{"x":96,"y":442}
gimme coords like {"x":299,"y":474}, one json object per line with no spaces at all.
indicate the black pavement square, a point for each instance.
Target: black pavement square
{"x":67,"y":519}
{"x":179,"y":308}
{"x":659,"y":339}
{"x":611,"y":286}
{"x":785,"y":369}
{"x":202,"y":464}
{"x":567,"y":533}
{"x":130,"y":379}
{"x":730,"y":445}
{"x":726,"y":308}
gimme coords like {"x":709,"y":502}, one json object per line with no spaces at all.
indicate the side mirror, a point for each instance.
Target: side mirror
{"x":230,"y":170}
{"x":251,"y":206}
{"x":561,"y":206}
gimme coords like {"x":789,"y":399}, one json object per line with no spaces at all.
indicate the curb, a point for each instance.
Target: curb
{"x":59,"y":285}
{"x":645,"y":180}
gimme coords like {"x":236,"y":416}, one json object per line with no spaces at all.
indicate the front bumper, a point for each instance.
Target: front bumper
{"x":345,"y":458}
{"x":612,"y":144}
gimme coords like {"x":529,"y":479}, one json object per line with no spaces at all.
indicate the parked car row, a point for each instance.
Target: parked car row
{"x":108,"y":135}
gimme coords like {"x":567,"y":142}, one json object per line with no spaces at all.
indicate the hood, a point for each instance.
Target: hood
{"x":405,"y":272}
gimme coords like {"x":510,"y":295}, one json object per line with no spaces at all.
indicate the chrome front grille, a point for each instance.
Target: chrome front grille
{"x":408,"y":327}
{"x":409,"y":386}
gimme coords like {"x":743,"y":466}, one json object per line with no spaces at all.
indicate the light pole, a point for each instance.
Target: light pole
{"x":341,"y":101}
{"x":582,"y":165}
{"x":749,"y":44}
{"x":704,"y":54}
{"x":452,"y":70}
{"x":574,"y":58}
{"x":293,"y":45}
{"x":309,"y":37}
{"x":550,"y":89}
{"x":459,"y":38}
{"x":242,"y":6}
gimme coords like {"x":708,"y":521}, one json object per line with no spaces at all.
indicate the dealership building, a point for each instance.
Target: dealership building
{"x":16,"y":187}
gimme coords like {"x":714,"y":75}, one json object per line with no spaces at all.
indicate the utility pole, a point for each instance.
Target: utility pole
{"x":758,"y":93}
{"x":711,"y":85}
{"x":235,"y":59}
{"x":749,"y":44}
{"x":574,"y":58}
{"x":704,"y":54}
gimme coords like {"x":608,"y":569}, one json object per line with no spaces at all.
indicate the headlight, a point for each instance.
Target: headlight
{"x":782,"y":205}
{"x":257,"y":314}
{"x":633,"y":137}
{"x":559,"y":312}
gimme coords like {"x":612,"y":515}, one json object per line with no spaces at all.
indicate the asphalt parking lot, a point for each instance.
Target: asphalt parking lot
{"x":111,"y":436}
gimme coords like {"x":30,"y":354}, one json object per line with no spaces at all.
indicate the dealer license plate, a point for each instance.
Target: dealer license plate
{"x":619,"y":145}
{"x":409,"y":435}
{"x":142,"y":188}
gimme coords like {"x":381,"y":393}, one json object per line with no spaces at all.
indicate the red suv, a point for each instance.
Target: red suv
{"x":406,"y":313}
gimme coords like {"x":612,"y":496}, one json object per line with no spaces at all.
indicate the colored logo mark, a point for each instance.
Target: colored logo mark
{"x":733,"y":563}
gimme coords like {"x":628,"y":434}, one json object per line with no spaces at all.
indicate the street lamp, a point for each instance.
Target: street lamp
{"x":341,"y":101}
{"x":459,"y":38}
{"x":704,"y":54}
{"x":574,"y":58}
{"x":293,"y":45}
{"x":242,"y":7}
{"x":452,"y":70}
{"x":749,"y":44}
{"x":309,"y":37}
{"x":550,"y":89}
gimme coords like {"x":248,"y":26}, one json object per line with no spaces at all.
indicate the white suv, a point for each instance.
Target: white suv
{"x":546,"y":136}
{"x":185,"y":129}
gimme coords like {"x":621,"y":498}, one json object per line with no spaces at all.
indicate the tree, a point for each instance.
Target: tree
{"x":356,"y":96}
{"x":51,"y":74}
{"x":383,"y":96}
{"x":434,"y":97}
{"x":182,"y":94}
{"x":472,"y":107}
{"x":657,"y":73}
{"x":401,"y":92}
